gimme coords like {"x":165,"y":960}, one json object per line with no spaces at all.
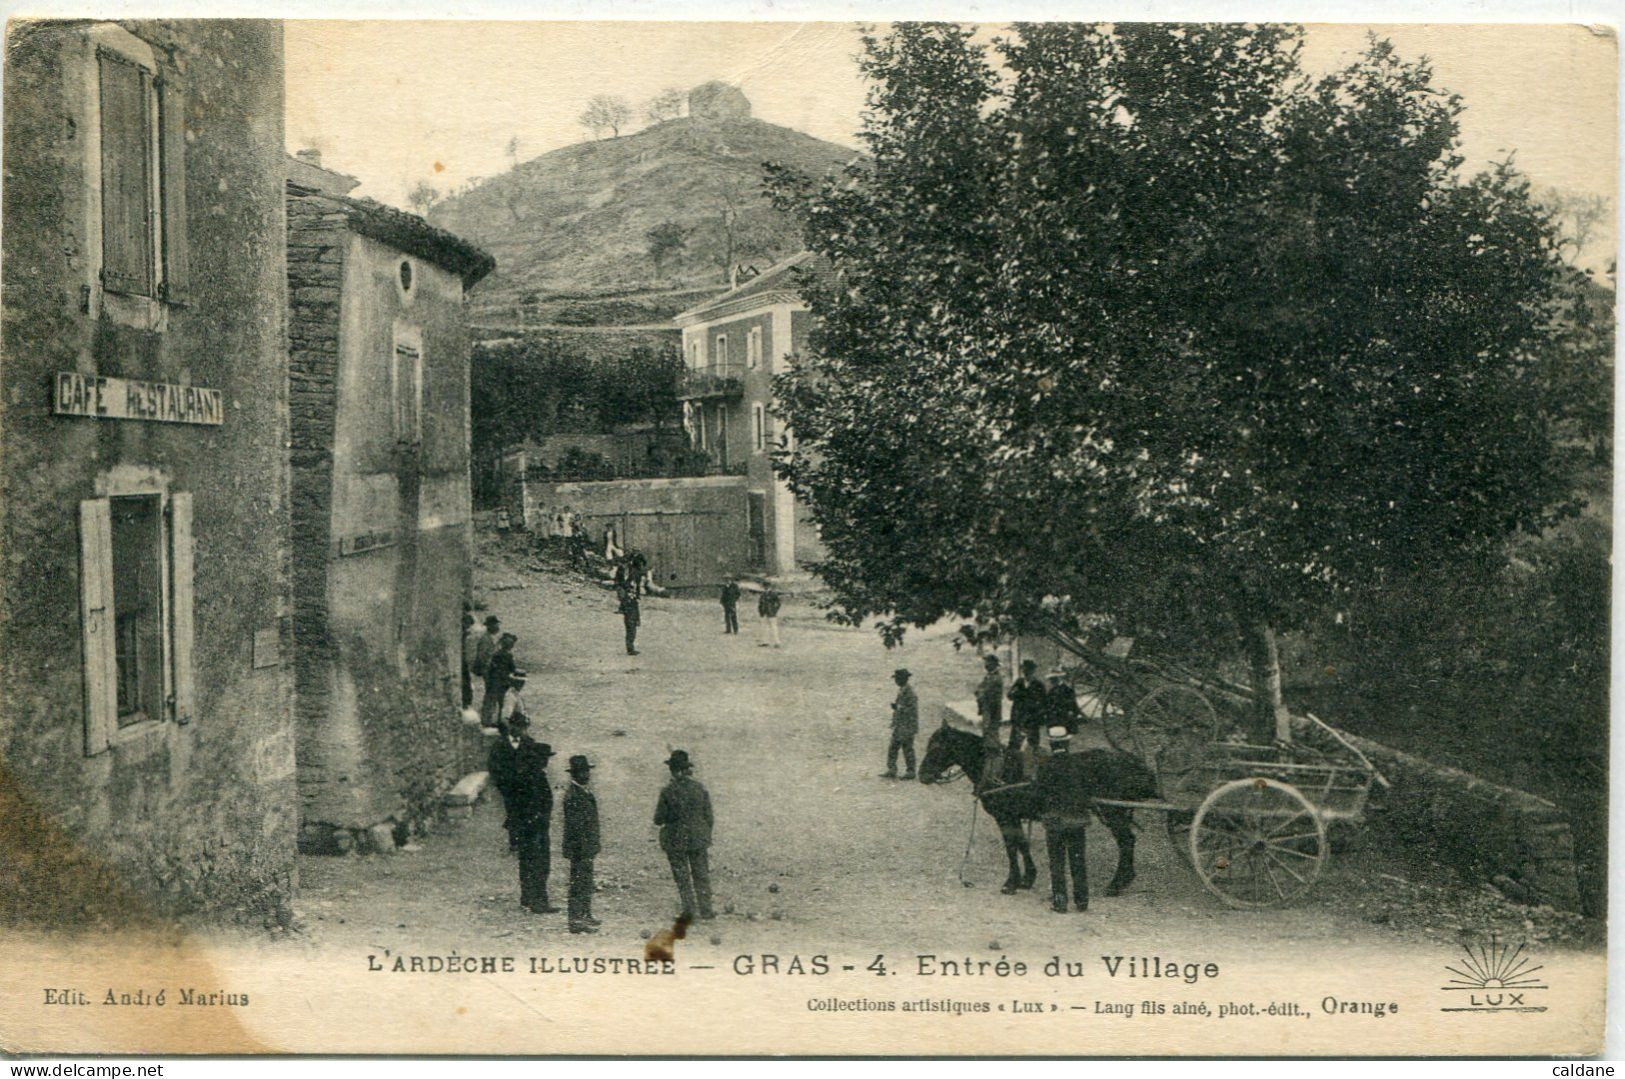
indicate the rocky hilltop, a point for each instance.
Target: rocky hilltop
{"x":571,"y":229}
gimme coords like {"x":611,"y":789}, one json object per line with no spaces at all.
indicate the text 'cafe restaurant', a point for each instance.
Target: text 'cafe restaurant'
{"x":129,"y":399}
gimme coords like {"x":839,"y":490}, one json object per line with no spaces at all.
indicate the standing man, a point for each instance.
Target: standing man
{"x":1028,"y":700}
{"x":1061,"y":702}
{"x":730,"y":607}
{"x":1062,"y":791}
{"x":905,"y":724}
{"x":990,"y":707}
{"x":484,"y":648}
{"x":581,"y":843}
{"x":529,"y":797}
{"x":498,"y":678}
{"x":626,"y":599}
{"x":471,"y":645}
{"x":767,"y":605}
{"x":683,"y":815}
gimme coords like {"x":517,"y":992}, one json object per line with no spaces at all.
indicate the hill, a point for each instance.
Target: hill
{"x":570,"y":229}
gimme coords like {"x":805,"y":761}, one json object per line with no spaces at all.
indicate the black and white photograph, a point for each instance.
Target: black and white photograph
{"x":751,"y":538}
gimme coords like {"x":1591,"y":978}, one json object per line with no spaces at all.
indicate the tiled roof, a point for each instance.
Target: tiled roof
{"x":783,"y":276}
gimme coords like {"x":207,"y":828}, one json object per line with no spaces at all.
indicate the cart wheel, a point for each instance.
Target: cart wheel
{"x":1257,"y":843}
{"x":1116,"y":724}
{"x":1169,"y":714}
{"x":1184,"y":767}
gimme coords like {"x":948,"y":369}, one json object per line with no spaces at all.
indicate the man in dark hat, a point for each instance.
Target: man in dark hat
{"x":519,"y":771}
{"x":905,"y":724}
{"x":1028,"y":701}
{"x":498,"y":670}
{"x":1061,"y":789}
{"x":1061,"y":703}
{"x":626,"y":601}
{"x":730,"y":606}
{"x":581,"y":843}
{"x":684,"y":817}
{"x":990,"y":709}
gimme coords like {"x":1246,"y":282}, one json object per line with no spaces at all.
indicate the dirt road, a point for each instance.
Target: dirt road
{"x":812,"y":847}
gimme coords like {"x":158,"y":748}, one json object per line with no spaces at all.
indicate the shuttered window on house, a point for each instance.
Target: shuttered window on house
{"x":172,"y":187}
{"x":127,"y":180}
{"x":136,"y":612}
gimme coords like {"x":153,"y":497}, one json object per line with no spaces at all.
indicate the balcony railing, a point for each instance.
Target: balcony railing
{"x":719,"y":380}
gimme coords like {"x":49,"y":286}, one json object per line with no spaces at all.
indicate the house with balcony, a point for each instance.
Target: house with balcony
{"x":733,"y":346}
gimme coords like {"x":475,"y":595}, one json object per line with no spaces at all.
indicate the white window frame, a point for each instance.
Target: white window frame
{"x":753,"y":347}
{"x":722,"y":350}
{"x":176,"y":607}
{"x":758,"y":417}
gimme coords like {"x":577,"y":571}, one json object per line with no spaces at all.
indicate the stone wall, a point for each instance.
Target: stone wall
{"x":384,"y":563}
{"x":693,"y":531}
{"x":174,"y":819}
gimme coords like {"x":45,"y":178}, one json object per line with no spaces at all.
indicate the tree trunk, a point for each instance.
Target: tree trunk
{"x":1271,"y":721}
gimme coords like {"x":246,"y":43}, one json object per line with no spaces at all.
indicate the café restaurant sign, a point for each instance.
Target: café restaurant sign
{"x":104,"y":398}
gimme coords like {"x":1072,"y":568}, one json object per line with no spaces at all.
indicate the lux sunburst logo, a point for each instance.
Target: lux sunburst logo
{"x":1496,"y":978}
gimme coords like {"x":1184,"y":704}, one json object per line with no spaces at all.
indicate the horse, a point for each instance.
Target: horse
{"x":1115,"y":776}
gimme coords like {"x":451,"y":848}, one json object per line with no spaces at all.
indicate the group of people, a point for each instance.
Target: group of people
{"x":488,"y":656}
{"x":518,"y":771}
{"x":768,"y":604}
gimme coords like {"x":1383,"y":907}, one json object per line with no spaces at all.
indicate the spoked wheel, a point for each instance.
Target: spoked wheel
{"x":1169,"y":715}
{"x":1257,"y":843}
{"x":1101,"y":702}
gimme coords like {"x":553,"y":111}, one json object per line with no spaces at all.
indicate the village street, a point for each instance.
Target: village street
{"x":813,"y":850}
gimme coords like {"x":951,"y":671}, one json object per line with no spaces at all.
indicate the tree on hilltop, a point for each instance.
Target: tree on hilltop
{"x":605,"y":112}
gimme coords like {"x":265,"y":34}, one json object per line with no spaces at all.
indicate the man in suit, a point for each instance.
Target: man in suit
{"x":683,"y":815}
{"x":905,"y":724}
{"x":498,"y":680}
{"x":730,"y":607}
{"x":1060,"y":788}
{"x":990,"y":707}
{"x":581,"y":843}
{"x":518,"y":768}
{"x":626,"y":601}
{"x":1028,"y":704}
{"x":1061,"y":703}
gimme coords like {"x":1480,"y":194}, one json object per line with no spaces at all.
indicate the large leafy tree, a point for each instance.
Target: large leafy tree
{"x":1141,"y":318}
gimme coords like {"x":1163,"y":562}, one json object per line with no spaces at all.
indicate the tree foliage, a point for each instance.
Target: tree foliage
{"x":666,"y":105}
{"x":530,"y":389}
{"x":422,"y":196}
{"x":1146,"y":320}
{"x":665,"y":240}
{"x":605,"y":112}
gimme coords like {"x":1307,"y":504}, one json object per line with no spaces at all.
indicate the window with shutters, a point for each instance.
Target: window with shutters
{"x":753,"y":347}
{"x":406,"y":387}
{"x":758,"y":417}
{"x":136,"y":591}
{"x":142,"y":118}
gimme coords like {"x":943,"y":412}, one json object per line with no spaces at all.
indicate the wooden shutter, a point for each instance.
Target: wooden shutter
{"x":172,"y":187}
{"x":126,"y":182}
{"x":96,"y":622}
{"x":180,"y":569}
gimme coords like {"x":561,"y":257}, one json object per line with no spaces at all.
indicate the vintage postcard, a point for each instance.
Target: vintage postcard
{"x":769,"y":538}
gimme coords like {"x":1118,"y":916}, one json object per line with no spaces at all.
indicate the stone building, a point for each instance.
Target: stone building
{"x":733,"y":345}
{"x":382,"y":523}
{"x":146,"y":728}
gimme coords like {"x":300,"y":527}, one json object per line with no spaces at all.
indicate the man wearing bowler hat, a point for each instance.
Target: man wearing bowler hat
{"x":905,"y":724}
{"x":519,"y":771}
{"x":684,"y":817}
{"x":581,"y":843}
